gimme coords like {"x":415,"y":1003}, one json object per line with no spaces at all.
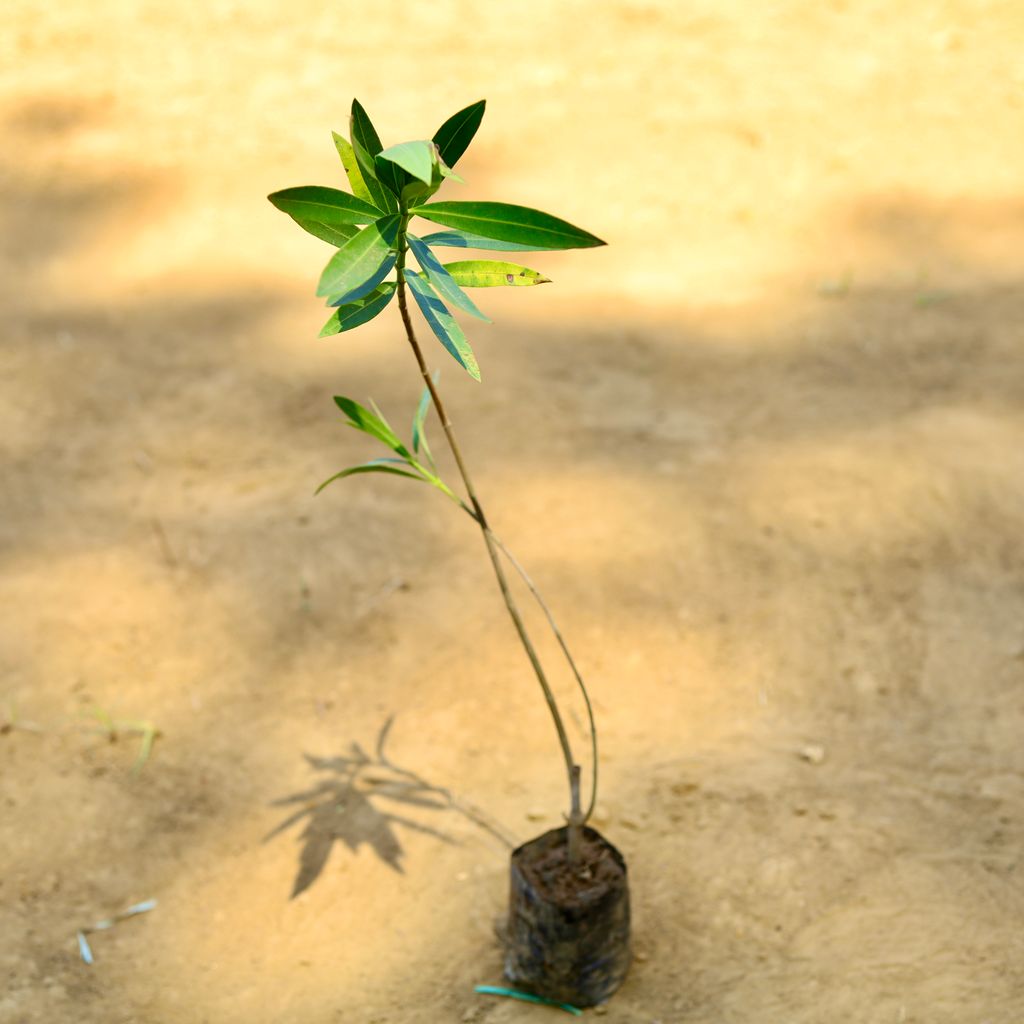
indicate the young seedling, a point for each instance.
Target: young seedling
{"x":107,"y":726}
{"x":375,"y":246}
{"x":113,"y":729}
{"x":12,"y":720}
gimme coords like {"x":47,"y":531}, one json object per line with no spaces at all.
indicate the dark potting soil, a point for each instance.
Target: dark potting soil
{"x":548,"y":872}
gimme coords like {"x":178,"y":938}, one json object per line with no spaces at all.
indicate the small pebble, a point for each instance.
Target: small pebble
{"x":535,"y":814}
{"x":813,"y":753}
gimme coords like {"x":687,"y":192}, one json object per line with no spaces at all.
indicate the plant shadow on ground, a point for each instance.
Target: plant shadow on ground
{"x":344,"y":807}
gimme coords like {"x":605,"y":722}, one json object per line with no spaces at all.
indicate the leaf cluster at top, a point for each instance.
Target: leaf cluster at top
{"x":369,"y":227}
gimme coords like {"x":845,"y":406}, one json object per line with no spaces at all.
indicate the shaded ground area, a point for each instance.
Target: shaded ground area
{"x":764,"y":455}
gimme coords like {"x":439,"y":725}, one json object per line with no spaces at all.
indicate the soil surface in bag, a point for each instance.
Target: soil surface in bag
{"x":572,"y":887}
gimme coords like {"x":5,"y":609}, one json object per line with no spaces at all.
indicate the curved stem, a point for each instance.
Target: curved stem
{"x":568,"y":657}
{"x":572,"y":770}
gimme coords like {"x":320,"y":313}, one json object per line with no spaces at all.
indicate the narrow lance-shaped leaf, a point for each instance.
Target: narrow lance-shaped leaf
{"x":366,"y":145}
{"x":509,"y":223}
{"x":442,"y":323}
{"x":368,"y":189}
{"x":362,"y":131}
{"x":419,"y":433}
{"x":352,"y":171}
{"x":466,"y":240}
{"x":389,"y":429}
{"x":360,"y":258}
{"x":413,"y":470}
{"x":492,"y":274}
{"x":370,"y":423}
{"x":455,"y":135}
{"x":373,"y":466}
{"x":327,"y":213}
{"x":441,"y":280}
{"x":390,"y":175}
{"x":336,"y":234}
{"x":355,"y":314}
{"x":324,"y":205}
{"x":359,"y":292}
{"x":366,"y":165}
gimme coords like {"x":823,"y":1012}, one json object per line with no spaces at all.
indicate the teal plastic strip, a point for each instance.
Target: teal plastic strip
{"x":526,"y":997}
{"x":83,"y":943}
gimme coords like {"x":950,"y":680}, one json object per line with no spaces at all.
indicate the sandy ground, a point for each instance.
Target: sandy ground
{"x":764,"y":454}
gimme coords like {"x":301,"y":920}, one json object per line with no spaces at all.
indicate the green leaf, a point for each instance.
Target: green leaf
{"x":415,"y":157}
{"x":390,"y":175}
{"x":336,"y":234}
{"x":366,"y":145}
{"x":442,"y":281}
{"x":509,"y":223}
{"x":425,"y":474}
{"x":419,"y":434}
{"x":362,"y":131}
{"x":373,"y":466}
{"x":359,"y":258}
{"x":416,"y":192}
{"x":390,"y":429}
{"x":368,"y":189}
{"x":364,"y":162}
{"x":351,"y":165}
{"x":323,"y":205}
{"x":465,"y":240}
{"x":370,"y":423}
{"x":492,"y":273}
{"x":368,"y":169}
{"x":455,"y":135}
{"x":355,"y":314}
{"x":442,"y":323}
{"x":345,"y":298}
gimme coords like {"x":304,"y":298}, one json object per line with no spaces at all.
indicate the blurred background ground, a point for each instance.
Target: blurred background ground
{"x":764,"y":453}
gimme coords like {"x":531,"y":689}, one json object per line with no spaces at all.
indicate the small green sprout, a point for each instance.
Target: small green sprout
{"x":115,"y":728}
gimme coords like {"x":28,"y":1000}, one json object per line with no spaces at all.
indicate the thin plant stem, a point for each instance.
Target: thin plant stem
{"x":575,"y":833}
{"x":572,"y":770}
{"x":514,"y":562}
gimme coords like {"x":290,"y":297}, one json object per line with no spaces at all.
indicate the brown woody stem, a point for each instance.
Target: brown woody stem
{"x":572,"y":769}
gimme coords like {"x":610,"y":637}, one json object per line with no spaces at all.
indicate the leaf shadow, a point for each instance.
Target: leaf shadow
{"x":343,"y":807}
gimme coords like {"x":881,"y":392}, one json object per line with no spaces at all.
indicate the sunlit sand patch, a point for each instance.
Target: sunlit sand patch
{"x":919,"y":480}
{"x":107,"y":615}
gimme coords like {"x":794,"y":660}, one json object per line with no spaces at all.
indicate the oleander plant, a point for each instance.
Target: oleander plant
{"x":381,"y":252}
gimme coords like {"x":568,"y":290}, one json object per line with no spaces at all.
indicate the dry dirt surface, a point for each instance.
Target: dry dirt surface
{"x":764,"y":453}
